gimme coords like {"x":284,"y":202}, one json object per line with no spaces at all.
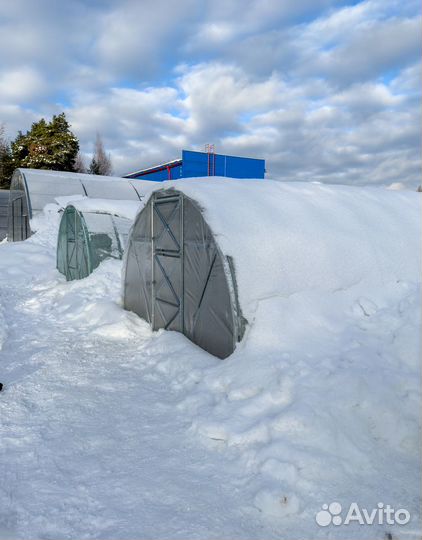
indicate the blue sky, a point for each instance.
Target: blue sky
{"x":323,"y":90}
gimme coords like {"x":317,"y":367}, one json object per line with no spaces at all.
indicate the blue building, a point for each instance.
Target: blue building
{"x":203,"y":164}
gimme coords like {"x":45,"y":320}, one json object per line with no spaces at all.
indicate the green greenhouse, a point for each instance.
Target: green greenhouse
{"x":86,"y":238}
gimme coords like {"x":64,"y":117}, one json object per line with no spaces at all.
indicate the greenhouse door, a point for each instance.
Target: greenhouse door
{"x":20,"y":221}
{"x":77,"y":254}
{"x":167,"y":265}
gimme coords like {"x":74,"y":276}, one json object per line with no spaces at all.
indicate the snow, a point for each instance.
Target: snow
{"x":110,"y":430}
{"x":125,"y":209}
{"x":398,"y":186}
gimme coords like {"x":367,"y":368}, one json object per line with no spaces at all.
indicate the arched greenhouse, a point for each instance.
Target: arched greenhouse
{"x":32,"y":189}
{"x":88,"y":235}
{"x":212,"y":258}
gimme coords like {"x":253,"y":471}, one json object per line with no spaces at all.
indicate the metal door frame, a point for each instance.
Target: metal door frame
{"x":76,"y":223}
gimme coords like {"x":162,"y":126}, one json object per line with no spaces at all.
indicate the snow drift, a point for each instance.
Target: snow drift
{"x":124,"y":209}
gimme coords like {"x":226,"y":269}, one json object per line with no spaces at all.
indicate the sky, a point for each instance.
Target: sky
{"x":323,"y":90}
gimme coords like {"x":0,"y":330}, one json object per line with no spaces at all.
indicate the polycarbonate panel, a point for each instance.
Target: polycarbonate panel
{"x":18,"y":212}
{"x":111,"y":189}
{"x":167,"y":223}
{"x":209,"y":319}
{"x":168,"y":290}
{"x":137,"y":292}
{"x":4,"y":203}
{"x":61,"y":251}
{"x":102,"y":236}
{"x":78,"y":262}
{"x":123,"y":226}
{"x":43,"y":190}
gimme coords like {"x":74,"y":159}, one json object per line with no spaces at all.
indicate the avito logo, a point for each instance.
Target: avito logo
{"x":331,"y":514}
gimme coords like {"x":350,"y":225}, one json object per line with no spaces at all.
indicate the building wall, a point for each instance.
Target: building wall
{"x":203,"y":164}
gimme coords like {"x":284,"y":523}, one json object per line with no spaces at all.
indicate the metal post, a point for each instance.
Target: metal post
{"x":182,"y":263}
{"x":152,"y":263}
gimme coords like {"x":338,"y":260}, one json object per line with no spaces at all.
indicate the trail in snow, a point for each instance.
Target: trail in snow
{"x":92,"y":443}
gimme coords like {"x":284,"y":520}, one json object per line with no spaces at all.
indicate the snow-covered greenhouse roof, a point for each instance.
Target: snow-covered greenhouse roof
{"x":270,"y":239}
{"x":124,"y":209}
{"x":32,"y":189}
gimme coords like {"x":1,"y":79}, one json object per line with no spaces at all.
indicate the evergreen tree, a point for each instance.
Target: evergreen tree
{"x":101,"y":162}
{"x":94,"y":167}
{"x":6,"y":162}
{"x":47,"y":145}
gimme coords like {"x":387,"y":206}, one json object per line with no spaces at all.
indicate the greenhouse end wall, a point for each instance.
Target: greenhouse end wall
{"x":177,"y":278}
{"x":85,"y":239}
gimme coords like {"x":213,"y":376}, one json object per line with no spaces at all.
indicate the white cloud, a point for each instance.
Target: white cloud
{"x":409,"y":80}
{"x":217,"y":95}
{"x":367,"y":98}
{"x":136,"y":37}
{"x":21,"y":84}
{"x":323,"y":90}
{"x":368,"y":51}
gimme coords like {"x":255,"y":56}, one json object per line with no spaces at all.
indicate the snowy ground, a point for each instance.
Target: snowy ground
{"x":108,"y":430}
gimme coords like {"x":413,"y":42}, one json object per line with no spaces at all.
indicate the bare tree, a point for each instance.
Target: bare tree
{"x":101,"y":162}
{"x":80,"y":165}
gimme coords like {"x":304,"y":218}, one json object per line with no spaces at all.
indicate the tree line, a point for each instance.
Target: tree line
{"x":49,"y":145}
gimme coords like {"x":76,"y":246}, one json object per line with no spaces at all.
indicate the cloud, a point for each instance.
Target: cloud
{"x":136,"y":39}
{"x":21,"y":84}
{"x":324,"y":90}
{"x":365,"y":99}
{"x":215,"y":96}
{"x":305,"y":131}
{"x":136,"y":125}
{"x":371,"y":49}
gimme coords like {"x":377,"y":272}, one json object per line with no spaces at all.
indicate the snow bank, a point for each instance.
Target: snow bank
{"x":3,"y":326}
